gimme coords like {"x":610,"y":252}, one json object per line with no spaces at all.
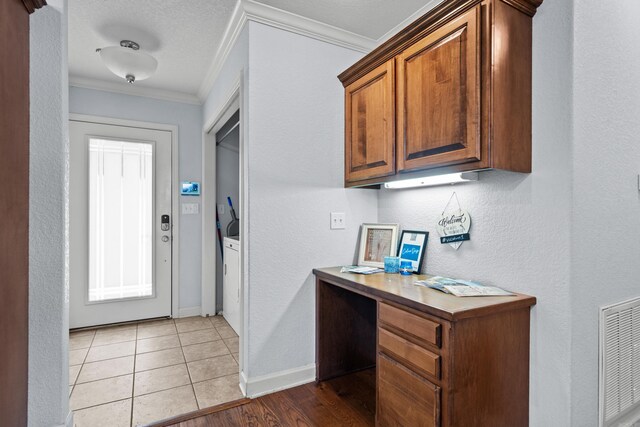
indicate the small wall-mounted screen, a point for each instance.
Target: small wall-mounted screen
{"x":190,"y":188}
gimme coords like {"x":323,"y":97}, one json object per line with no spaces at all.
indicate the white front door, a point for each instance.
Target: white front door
{"x":120,"y":220}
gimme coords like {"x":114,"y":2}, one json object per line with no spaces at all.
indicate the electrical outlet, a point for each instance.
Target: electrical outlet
{"x":338,"y":221}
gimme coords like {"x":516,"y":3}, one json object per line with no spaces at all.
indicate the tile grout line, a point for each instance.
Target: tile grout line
{"x":75,"y":380}
{"x":101,"y":404}
{"x":195,"y":396}
{"x":133,"y":382}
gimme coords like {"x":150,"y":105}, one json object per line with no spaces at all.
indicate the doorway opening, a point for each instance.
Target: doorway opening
{"x":224,"y":217}
{"x":228,"y":248}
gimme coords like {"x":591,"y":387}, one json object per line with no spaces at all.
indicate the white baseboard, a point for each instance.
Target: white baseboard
{"x":189,"y":311}
{"x":243,"y":383}
{"x":69,"y":422}
{"x":259,"y":386}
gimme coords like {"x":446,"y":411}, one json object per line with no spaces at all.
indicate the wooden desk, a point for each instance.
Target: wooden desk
{"x":440,"y":360}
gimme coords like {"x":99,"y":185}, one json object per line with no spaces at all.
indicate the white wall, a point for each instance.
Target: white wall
{"x":48,"y":227}
{"x":292,"y":126}
{"x":296,"y":154}
{"x":235,"y":68}
{"x":188,"y":118}
{"x":520,"y":233}
{"x":606,"y":203}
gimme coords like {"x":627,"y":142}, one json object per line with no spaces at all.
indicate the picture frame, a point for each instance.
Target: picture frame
{"x":376,"y":242}
{"x":412,"y":247}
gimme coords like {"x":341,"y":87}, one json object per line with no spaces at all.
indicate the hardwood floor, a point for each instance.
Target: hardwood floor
{"x":344,"y":401}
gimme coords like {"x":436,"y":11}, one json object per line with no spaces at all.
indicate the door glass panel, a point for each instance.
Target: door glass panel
{"x":120,"y":219}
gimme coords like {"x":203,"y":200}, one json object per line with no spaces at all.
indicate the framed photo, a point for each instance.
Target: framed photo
{"x":412,"y":247}
{"x":376,"y":242}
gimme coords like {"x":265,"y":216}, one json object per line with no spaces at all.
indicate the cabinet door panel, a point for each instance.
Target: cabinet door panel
{"x":370,"y":131}
{"x":405,"y":398}
{"x":439,"y":97}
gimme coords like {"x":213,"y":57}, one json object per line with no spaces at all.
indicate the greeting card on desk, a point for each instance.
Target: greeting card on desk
{"x":361,"y":270}
{"x":462,"y":288}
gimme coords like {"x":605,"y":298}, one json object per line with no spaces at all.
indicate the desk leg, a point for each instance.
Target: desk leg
{"x":345,"y":331}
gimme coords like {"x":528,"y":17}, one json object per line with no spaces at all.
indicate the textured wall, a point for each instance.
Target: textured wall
{"x":48,"y":230}
{"x":606,"y":203}
{"x":520,"y":233}
{"x":188,"y":118}
{"x":296,"y":179}
{"x":237,"y":62}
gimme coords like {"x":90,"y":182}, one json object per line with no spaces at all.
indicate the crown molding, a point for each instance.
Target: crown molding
{"x":527,"y":6}
{"x":248,"y":10}
{"x":288,"y":21}
{"x":147,"y":92}
{"x":431,"y":4}
{"x":32,"y":5}
{"x":231,"y":34}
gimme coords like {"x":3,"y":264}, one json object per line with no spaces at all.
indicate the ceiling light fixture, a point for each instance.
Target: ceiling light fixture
{"x":433,"y":180}
{"x":128,"y":61}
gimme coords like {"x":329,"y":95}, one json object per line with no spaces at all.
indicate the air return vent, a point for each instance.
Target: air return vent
{"x":620,"y":364}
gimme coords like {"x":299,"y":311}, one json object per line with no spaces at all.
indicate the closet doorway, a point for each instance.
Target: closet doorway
{"x":224,"y":219}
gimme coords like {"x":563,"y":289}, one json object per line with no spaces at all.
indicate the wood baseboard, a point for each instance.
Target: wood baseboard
{"x":199,"y":413}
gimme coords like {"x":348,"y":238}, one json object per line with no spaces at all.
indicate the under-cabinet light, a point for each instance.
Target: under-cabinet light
{"x":433,"y":180}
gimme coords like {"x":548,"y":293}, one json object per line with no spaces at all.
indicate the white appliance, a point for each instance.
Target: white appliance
{"x":231,"y":283}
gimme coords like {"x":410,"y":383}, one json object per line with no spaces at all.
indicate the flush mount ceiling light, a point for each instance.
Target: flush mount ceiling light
{"x":433,"y":180}
{"x":128,"y":61}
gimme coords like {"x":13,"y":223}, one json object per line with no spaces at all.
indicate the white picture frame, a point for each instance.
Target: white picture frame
{"x":376,"y":242}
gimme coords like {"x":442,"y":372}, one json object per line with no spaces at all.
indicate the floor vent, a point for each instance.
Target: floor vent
{"x":619,"y":384}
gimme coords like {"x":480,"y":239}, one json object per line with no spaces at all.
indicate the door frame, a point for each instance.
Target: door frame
{"x":175,"y":190}
{"x":233,"y":100}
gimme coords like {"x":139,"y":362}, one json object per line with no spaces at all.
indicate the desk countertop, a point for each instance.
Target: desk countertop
{"x":400,"y":289}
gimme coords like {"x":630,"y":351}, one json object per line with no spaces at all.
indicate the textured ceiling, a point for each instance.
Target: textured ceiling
{"x":185,"y":35}
{"x":182,"y":35}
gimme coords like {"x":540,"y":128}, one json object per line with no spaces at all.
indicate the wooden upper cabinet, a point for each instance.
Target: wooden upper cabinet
{"x":438,"y":97}
{"x":459,"y":98}
{"x":370,"y":130}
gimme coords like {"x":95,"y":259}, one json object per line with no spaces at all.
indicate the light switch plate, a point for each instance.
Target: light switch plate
{"x":220,"y":209}
{"x":190,"y":208}
{"x":338,"y":220}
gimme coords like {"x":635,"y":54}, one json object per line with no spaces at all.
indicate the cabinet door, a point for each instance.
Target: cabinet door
{"x":369,"y":126}
{"x":439,"y":97}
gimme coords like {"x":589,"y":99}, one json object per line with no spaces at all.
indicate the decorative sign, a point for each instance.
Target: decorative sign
{"x":454,"y":224}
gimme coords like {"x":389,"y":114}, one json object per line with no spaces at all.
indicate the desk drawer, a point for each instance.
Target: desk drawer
{"x":404,"y":398}
{"x":419,"y":359}
{"x":404,"y":321}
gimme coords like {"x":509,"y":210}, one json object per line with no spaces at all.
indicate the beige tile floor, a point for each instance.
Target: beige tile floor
{"x":139,"y":373}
